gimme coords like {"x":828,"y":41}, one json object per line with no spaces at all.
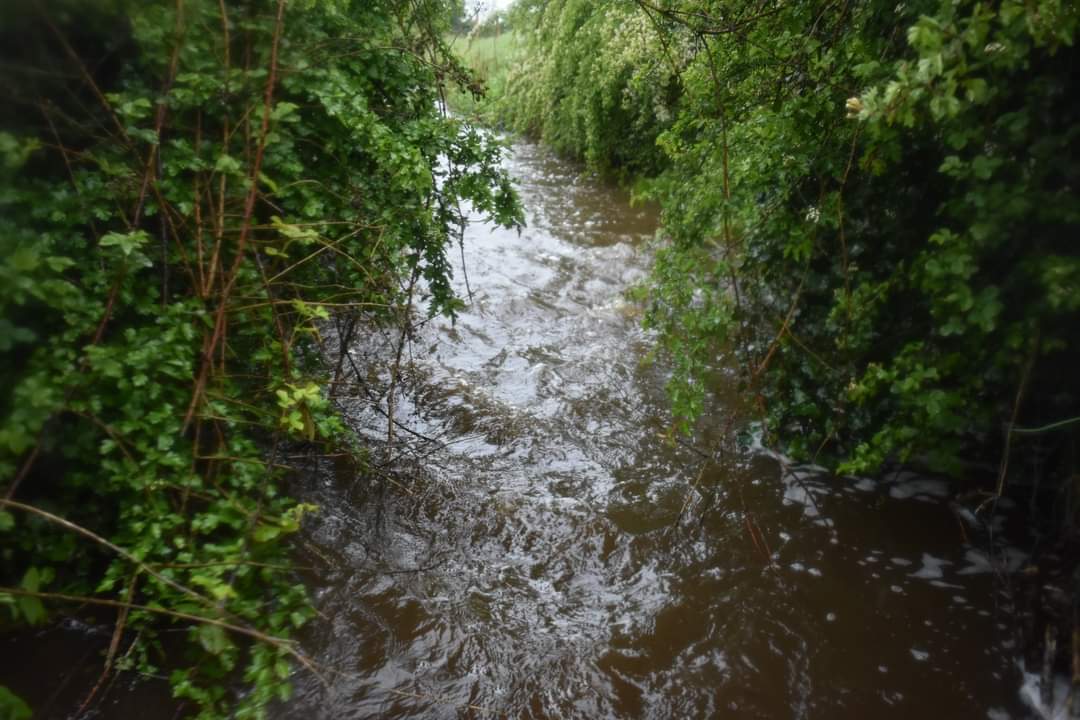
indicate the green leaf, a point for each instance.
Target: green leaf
{"x":265,"y":533}
{"x":23,"y":260}
{"x":213,"y":639}
{"x":12,"y":707}
{"x":31,"y":609}
{"x":31,"y":580}
{"x":284,"y":110}
{"x":227,"y":165}
{"x":58,"y":263}
{"x":127,"y":242}
{"x":265,"y":180}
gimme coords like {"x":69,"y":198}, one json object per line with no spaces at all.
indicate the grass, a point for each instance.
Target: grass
{"x":491,"y":58}
{"x":488,"y":56}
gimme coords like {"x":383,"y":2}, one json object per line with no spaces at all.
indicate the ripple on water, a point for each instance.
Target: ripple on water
{"x":556,"y":557}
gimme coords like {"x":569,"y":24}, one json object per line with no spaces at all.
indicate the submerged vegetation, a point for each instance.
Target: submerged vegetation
{"x":870,"y":208}
{"x":193,"y":194}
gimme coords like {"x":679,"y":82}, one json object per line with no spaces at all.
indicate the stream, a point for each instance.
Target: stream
{"x":543,"y":550}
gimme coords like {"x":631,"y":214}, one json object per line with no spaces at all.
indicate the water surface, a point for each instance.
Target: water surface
{"x":541,"y":549}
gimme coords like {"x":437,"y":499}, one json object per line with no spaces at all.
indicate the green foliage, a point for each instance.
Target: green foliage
{"x":594,"y":83}
{"x":171,"y":249}
{"x":12,"y":707}
{"x":491,"y":59}
{"x":870,"y":209}
{"x":492,"y":24}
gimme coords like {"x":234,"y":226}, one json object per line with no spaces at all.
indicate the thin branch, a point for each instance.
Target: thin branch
{"x":287,"y":646}
{"x":249,"y":211}
{"x":89,"y":534}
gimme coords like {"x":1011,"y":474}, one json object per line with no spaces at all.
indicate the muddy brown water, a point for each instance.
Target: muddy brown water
{"x":545,"y":552}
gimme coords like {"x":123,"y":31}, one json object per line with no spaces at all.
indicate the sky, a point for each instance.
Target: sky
{"x":488,"y":5}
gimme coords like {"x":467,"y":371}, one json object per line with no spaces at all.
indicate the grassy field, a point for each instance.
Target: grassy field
{"x":488,"y":56}
{"x":491,"y":58}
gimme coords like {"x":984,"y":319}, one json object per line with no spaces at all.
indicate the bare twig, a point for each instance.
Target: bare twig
{"x":90,"y":535}
{"x":1020,"y":390}
{"x":285,"y":645}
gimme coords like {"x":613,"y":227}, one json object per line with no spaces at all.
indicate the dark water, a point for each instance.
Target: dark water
{"x":543,"y":551}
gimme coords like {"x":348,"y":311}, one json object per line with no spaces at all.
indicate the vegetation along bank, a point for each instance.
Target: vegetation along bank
{"x":869,"y":208}
{"x":193,"y":194}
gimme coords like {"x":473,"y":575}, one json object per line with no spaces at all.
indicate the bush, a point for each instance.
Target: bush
{"x":870,"y":210}
{"x":189,"y":191}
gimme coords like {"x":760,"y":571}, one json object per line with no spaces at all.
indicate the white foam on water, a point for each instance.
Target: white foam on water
{"x":1031,"y":694}
{"x":931,"y":567}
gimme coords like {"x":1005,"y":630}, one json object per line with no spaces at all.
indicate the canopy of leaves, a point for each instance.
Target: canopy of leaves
{"x":870,"y":207}
{"x":188,"y":191}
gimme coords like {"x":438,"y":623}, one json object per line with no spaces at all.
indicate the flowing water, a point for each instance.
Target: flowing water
{"x":542,"y":550}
